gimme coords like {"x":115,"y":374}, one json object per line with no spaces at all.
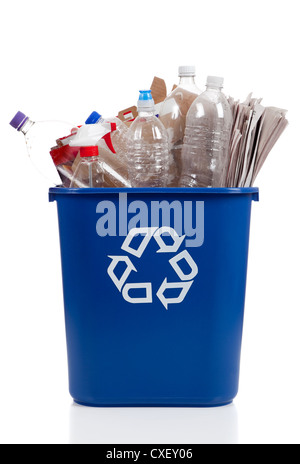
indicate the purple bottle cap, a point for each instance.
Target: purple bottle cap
{"x":19,"y":120}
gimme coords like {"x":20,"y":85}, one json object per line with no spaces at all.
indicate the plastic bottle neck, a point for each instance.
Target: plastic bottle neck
{"x":187,"y":81}
{"x":214,"y":88}
{"x":26,"y":126}
{"x":146,"y":114}
{"x":90,"y":153}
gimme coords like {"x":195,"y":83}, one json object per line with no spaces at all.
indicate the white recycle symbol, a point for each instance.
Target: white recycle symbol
{"x":186,"y":280}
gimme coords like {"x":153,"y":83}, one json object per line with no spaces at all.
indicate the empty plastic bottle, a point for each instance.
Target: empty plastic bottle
{"x":89,"y":173}
{"x":173,"y":116}
{"x":205,"y":154}
{"x":40,"y":138}
{"x":114,"y":168}
{"x":148,"y":146}
{"x":63,"y":158}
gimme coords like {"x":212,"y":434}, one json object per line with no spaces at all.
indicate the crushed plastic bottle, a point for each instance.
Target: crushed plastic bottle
{"x":205,"y":154}
{"x":173,"y":116}
{"x":40,"y":137}
{"x":148,"y":147}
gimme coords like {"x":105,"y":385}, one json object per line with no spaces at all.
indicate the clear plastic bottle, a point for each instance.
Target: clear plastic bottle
{"x":89,"y":172}
{"x":205,"y":154}
{"x":115,"y":170}
{"x":63,"y":158}
{"x":40,"y":138}
{"x":115,"y":140}
{"x":173,"y":116}
{"x":148,"y":146}
{"x":114,"y":167}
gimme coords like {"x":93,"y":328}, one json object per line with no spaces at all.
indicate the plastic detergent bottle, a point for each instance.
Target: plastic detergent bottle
{"x":114,"y":168}
{"x":89,"y":173}
{"x":115,"y":140}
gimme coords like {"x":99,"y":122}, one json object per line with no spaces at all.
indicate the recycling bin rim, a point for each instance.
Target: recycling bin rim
{"x":254,"y":191}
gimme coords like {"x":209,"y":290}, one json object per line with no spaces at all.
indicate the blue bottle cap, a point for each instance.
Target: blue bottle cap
{"x":145,"y":95}
{"x":146,"y":102}
{"x":93,"y":118}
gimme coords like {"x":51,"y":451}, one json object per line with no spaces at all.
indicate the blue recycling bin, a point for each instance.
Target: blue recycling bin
{"x":154,"y":289}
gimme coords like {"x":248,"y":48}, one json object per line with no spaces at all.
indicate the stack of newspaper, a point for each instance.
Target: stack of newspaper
{"x":255,"y":131}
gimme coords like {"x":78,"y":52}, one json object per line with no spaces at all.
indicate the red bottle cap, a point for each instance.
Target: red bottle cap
{"x":88,"y":152}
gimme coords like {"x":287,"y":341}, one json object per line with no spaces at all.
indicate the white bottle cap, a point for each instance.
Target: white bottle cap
{"x":187,"y":71}
{"x":214,"y":81}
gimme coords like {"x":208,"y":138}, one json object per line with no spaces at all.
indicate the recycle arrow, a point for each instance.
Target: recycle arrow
{"x":115,"y":261}
{"x":177,"y":241}
{"x":147,"y":232}
{"x":185,"y":287}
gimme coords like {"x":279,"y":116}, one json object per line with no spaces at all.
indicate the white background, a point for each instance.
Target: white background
{"x":62,"y":60}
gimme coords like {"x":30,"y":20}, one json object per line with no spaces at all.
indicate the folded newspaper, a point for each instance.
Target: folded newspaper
{"x":256,"y":129}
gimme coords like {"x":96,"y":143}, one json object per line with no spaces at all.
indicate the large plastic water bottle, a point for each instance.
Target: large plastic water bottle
{"x":205,"y":154}
{"x":148,"y":146}
{"x":173,"y":116}
{"x":40,"y":138}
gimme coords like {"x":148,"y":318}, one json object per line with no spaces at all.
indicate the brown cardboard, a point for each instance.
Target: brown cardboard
{"x":76,"y":162}
{"x":128,"y":115}
{"x":159,"y":90}
{"x":184,"y":98}
{"x":176,"y":127}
